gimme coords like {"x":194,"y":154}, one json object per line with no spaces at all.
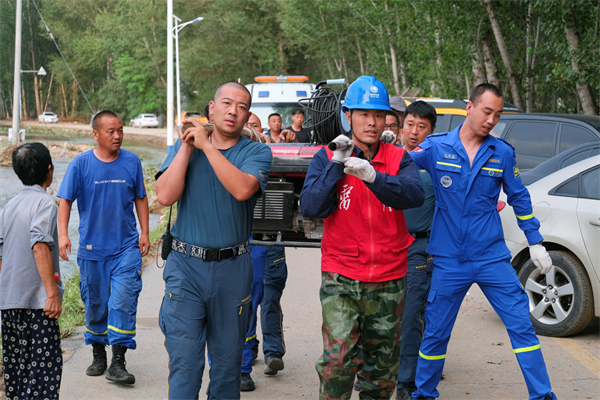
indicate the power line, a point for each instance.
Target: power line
{"x":63,"y":57}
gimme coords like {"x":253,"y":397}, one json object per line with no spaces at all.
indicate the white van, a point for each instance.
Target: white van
{"x":278,"y":94}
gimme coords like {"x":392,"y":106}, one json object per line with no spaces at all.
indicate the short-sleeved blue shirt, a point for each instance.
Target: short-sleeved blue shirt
{"x":207,"y":214}
{"x":105,"y":194}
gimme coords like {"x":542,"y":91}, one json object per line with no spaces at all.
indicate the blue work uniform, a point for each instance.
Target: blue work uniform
{"x":209,"y":302}
{"x":467,"y":243}
{"x":268,"y":281}
{"x":418,"y":281}
{"x":109,"y":259}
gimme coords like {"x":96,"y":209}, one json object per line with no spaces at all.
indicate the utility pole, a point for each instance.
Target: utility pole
{"x":16,"y":122}
{"x":170,"y":119}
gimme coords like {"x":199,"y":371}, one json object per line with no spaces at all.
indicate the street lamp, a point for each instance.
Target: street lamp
{"x":15,"y":132}
{"x":176,"y":30}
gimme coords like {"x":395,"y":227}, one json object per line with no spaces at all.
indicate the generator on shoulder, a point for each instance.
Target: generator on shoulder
{"x":278,"y":220}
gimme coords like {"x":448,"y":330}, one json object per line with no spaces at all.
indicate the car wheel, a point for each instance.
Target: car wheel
{"x":561,"y":303}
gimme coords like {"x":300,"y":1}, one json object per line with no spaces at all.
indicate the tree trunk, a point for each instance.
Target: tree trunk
{"x":478,"y":67}
{"x":403,"y":75}
{"x":584,"y":91}
{"x":49,"y":90}
{"x":491,"y":71}
{"x":528,"y":54}
{"x":360,"y":60}
{"x":74,"y":101}
{"x":36,"y":83}
{"x":394,"y":69}
{"x":512,"y":81}
{"x":23,"y":104}
{"x":64,"y":96}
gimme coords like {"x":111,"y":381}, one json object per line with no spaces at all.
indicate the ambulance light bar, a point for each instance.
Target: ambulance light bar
{"x":281,"y":78}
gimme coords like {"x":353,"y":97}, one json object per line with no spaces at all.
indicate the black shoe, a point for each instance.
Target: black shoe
{"x":358,"y":386}
{"x":273,"y":364}
{"x":247,"y":383}
{"x":405,"y":392}
{"x":255,"y":351}
{"x":99,"y":363}
{"x":117,"y":371}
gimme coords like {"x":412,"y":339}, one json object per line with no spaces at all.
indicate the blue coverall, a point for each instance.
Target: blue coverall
{"x":467,"y":243}
{"x":269,"y":278}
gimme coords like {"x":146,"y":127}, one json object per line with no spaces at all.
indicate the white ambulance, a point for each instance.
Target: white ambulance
{"x":278,"y":94}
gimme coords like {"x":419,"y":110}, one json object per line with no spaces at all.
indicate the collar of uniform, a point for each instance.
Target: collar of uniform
{"x":360,"y":154}
{"x":34,"y":188}
{"x":453,"y":139}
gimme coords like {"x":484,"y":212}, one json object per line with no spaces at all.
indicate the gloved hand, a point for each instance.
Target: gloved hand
{"x":540,"y":257}
{"x":340,"y":155}
{"x":360,"y":168}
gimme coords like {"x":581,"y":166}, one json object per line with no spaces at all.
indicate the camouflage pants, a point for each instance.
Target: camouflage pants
{"x":361,"y":331}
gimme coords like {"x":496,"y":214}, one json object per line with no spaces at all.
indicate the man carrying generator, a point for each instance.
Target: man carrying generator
{"x":468,"y":167}
{"x":107,"y":182}
{"x":361,"y":189}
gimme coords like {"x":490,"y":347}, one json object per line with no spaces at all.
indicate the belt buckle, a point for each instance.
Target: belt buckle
{"x":220,"y":255}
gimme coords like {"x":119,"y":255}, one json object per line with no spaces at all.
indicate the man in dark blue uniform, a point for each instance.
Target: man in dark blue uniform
{"x":469,"y":167}
{"x":419,"y":122}
{"x":215,"y":181}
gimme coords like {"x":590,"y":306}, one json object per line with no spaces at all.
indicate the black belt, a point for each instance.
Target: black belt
{"x":210,"y":254}
{"x":421,"y":235}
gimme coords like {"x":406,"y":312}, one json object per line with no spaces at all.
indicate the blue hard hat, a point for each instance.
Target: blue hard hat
{"x":367,"y":93}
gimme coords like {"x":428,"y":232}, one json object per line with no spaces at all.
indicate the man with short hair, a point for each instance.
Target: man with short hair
{"x":360,"y":190}
{"x":392,"y":124}
{"x":302,"y":134}
{"x":107,"y":182}
{"x":31,"y":289}
{"x":216,"y":180}
{"x":278,"y":135}
{"x":419,"y":122}
{"x":468,"y":167}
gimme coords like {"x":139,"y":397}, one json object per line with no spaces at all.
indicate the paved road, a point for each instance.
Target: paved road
{"x":479,"y":338}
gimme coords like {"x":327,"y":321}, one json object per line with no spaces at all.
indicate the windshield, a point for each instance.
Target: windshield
{"x":263,"y":111}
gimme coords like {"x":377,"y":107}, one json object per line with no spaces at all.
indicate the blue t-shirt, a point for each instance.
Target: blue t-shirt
{"x":207,"y":214}
{"x":420,"y":219}
{"x":105,"y":194}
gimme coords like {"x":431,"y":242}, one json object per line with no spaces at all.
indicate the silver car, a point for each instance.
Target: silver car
{"x":144,"y":121}
{"x":567,"y":204}
{"x":48,"y":117}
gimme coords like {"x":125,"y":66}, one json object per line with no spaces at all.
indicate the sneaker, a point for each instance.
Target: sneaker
{"x":247,"y":383}
{"x":358,"y":386}
{"x":116,"y":371}
{"x":273,"y":364}
{"x":405,"y":391}
{"x":550,"y":396}
{"x":99,"y":363}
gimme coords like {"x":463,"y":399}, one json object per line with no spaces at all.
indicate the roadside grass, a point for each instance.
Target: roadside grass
{"x":73,"y":310}
{"x":50,"y":132}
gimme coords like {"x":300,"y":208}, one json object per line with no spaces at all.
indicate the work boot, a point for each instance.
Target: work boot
{"x":405,"y":391}
{"x":273,"y":364}
{"x":99,"y":363}
{"x":255,"y":351}
{"x":550,"y":396}
{"x":247,"y":383}
{"x":117,"y":371}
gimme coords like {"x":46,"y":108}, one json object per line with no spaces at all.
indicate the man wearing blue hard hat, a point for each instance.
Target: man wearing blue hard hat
{"x":360,"y":189}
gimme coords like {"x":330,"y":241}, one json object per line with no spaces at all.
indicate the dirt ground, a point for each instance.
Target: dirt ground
{"x":57,"y":150}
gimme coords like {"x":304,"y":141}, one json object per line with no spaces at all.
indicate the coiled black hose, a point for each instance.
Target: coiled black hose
{"x":324,"y":108}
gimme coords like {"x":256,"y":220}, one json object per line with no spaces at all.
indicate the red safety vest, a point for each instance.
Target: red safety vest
{"x":364,"y":239}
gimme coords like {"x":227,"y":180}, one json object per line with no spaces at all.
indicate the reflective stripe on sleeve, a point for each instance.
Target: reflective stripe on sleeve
{"x":94,"y":333}
{"x":452,"y":165}
{"x":526,"y":349}
{"x":251,"y":337}
{"x":121,"y":330}
{"x":432,"y":357}
{"x":524,"y":217}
